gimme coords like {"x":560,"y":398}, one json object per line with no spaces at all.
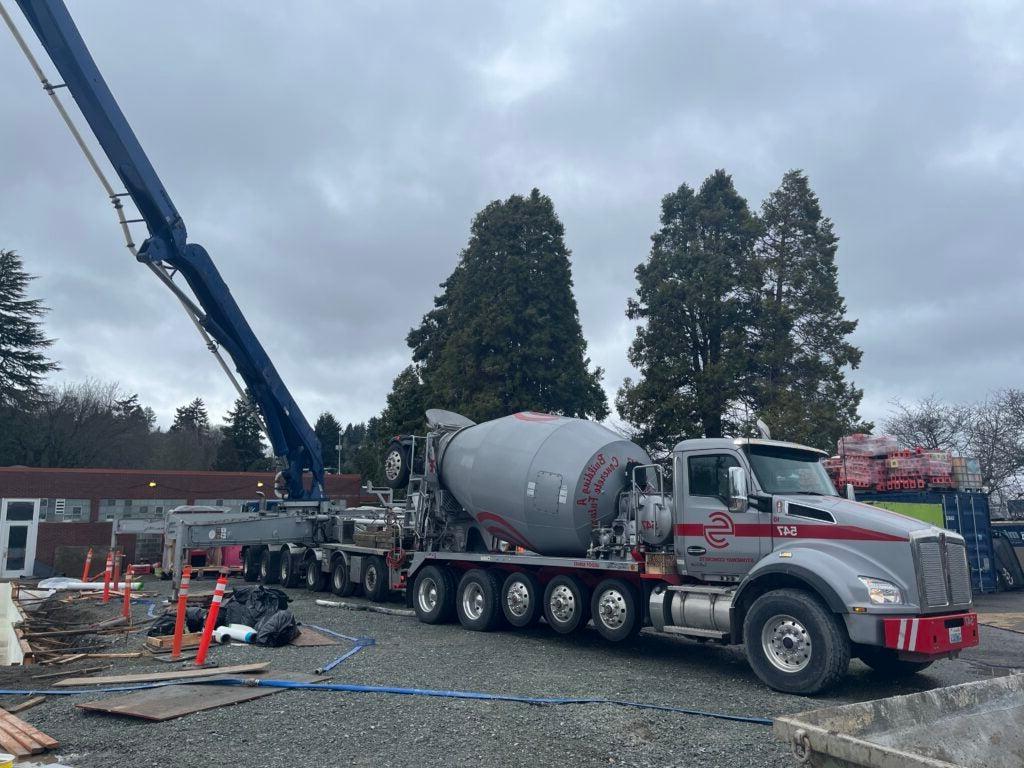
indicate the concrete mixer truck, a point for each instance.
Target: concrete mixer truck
{"x":537,"y":517}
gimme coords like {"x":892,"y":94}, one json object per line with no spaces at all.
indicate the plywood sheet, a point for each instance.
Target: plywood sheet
{"x":161,"y":704}
{"x":310,"y":637}
{"x":156,"y":677}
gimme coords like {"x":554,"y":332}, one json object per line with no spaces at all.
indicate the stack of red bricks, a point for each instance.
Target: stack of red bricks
{"x":876,"y":462}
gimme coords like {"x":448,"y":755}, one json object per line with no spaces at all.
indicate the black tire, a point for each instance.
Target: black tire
{"x":434,"y":595}
{"x":886,"y":661}
{"x":566,"y":604}
{"x":478,"y":601}
{"x":341,"y":584}
{"x":522,"y":599}
{"x":316,"y":579}
{"x":810,"y":650}
{"x":396,"y":466}
{"x":288,"y":568}
{"x":251,"y":564}
{"x":375,"y":578}
{"x":615,"y":609}
{"x":270,"y":566}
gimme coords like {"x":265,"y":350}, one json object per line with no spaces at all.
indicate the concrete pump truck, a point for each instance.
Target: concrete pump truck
{"x":538,"y":516}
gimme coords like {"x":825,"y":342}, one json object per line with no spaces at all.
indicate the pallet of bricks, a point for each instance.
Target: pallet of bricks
{"x":916,"y":469}
{"x":861,"y":461}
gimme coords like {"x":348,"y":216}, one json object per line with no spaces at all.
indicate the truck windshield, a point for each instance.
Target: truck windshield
{"x":789,"y":470}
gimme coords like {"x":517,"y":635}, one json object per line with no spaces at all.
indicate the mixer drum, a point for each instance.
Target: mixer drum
{"x":539,"y":481}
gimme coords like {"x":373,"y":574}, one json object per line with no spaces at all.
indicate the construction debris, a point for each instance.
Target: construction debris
{"x":21,"y":739}
{"x":154,"y":677}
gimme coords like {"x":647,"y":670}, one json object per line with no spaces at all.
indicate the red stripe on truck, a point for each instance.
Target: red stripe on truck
{"x":790,"y":531}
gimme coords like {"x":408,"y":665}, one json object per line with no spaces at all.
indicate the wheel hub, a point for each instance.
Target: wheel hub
{"x":611,"y":608}
{"x":428,"y":595}
{"x":518,"y":599}
{"x":563,"y":603}
{"x":786,"y":643}
{"x":473,"y":601}
{"x":392,"y":465}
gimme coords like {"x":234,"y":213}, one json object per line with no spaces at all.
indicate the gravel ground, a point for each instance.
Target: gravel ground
{"x":327,"y":729}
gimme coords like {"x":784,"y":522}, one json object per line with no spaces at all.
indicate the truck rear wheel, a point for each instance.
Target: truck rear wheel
{"x":434,"y":595}
{"x":886,"y":661}
{"x":375,"y":578}
{"x":478,"y":601}
{"x":341,"y":584}
{"x":521,"y":598}
{"x":615,"y":610}
{"x":251,"y":564}
{"x":288,"y":568}
{"x":566,"y":604}
{"x":316,"y":579}
{"x":793,"y":643}
{"x":270,"y":567}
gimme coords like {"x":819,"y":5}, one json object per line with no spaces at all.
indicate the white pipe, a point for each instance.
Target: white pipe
{"x":239,"y":632}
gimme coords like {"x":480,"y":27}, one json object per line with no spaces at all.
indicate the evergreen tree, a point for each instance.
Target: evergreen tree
{"x":801,"y":349}
{"x":23,"y":362}
{"x":242,"y":448}
{"x":695,"y":299}
{"x":351,"y":440}
{"x":190,"y":443}
{"x":191,"y":418}
{"x":504,"y":334}
{"x":328,"y":431}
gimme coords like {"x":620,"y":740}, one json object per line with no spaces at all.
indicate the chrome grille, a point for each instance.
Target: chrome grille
{"x":933,"y":577}
{"x":944,"y":577}
{"x":959,"y":572}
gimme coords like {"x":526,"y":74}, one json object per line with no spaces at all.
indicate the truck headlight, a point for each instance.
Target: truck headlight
{"x":882,"y":592}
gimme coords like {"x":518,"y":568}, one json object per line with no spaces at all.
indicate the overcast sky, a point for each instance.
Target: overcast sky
{"x":330,"y":156}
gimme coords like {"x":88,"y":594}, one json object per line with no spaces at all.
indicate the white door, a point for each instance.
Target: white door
{"x":19,"y":524}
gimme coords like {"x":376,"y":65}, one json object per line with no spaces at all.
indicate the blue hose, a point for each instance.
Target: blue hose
{"x":360,"y":643}
{"x":352,"y":688}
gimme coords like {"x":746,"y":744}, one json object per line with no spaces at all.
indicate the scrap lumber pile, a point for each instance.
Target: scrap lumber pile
{"x":21,"y":739}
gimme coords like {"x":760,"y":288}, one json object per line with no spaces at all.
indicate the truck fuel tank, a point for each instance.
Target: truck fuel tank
{"x":537,"y":480}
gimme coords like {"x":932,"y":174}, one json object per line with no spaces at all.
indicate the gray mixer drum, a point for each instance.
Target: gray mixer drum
{"x":537,"y":480}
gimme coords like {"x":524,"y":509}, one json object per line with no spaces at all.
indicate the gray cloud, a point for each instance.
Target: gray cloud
{"x":331,"y":156}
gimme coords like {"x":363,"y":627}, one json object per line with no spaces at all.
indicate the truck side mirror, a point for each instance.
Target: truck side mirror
{"x":850,"y":493}
{"x":739,"y":492}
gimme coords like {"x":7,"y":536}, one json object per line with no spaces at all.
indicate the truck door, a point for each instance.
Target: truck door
{"x":716,"y":544}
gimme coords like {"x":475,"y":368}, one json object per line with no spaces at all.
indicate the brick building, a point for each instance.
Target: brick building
{"x":50,"y":517}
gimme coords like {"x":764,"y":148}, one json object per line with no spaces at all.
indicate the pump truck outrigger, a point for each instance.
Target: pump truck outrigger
{"x":538,"y":515}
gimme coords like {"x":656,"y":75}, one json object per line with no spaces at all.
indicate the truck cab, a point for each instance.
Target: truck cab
{"x":769,"y":554}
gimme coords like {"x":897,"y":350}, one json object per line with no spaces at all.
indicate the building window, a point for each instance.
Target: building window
{"x":67,"y":510}
{"x":127,"y":503}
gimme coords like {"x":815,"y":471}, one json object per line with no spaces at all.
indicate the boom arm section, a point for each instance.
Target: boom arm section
{"x":290,"y":434}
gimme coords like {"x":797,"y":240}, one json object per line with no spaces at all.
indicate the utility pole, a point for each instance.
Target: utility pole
{"x":338,"y":446}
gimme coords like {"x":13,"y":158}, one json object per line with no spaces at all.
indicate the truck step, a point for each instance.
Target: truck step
{"x":694,"y":632}
{"x":702,"y":590}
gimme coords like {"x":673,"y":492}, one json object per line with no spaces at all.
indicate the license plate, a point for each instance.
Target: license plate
{"x":956,"y":635}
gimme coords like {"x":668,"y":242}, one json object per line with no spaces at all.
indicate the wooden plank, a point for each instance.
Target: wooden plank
{"x":167,"y":703}
{"x":62,"y":673}
{"x":188,"y":640}
{"x":10,"y":744}
{"x":15,"y":734}
{"x":155,"y":677}
{"x":310,"y":637}
{"x":9,"y":722}
{"x":26,"y":704}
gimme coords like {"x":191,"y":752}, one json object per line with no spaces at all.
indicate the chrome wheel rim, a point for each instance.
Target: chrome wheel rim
{"x":611,"y":609}
{"x":562,"y":604}
{"x":338,"y":577}
{"x":473,"y":601}
{"x":786,"y":643}
{"x":392,"y":465}
{"x":312,"y":573}
{"x":371,"y":578}
{"x":427,"y":595}
{"x":518,"y":599}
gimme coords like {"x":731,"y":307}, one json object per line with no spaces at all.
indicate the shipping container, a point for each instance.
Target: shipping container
{"x":965,"y":513}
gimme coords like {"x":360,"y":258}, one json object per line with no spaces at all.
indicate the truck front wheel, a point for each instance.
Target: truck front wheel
{"x":885,"y":661}
{"x":566,"y":604}
{"x":478,"y":601}
{"x":614,"y":608}
{"x":434,"y":595}
{"x":794,"y":644}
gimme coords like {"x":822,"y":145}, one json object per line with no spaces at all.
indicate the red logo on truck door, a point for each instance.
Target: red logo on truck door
{"x":718,"y":529}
